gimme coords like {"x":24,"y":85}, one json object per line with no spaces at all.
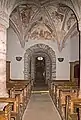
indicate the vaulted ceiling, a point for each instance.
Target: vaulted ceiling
{"x":43,"y":19}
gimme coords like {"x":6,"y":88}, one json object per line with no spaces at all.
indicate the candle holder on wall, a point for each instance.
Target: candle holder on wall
{"x":19,"y":58}
{"x":60,"y":59}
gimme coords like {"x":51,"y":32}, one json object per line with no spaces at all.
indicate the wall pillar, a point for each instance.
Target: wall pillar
{"x":3,"y":37}
{"x":79,"y":27}
{"x":80,"y":60}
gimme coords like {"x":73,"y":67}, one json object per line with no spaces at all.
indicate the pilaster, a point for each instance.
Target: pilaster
{"x":4,"y":24}
{"x":79,"y":26}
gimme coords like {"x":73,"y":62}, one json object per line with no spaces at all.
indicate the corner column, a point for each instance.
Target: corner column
{"x":79,"y":28}
{"x":3,"y":37}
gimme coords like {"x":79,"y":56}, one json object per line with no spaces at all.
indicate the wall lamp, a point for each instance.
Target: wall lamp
{"x":19,"y":58}
{"x":60,"y":59}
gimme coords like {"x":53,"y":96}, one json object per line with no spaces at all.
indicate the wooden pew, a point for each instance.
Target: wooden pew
{"x":64,"y":83}
{"x":6,"y":113}
{"x":15,"y":102}
{"x":59,"y":91}
{"x":56,"y":83}
{"x":24,"y":90}
{"x":63,"y":92}
{"x":22,"y":87}
{"x":72,"y":109}
{"x":2,"y":115}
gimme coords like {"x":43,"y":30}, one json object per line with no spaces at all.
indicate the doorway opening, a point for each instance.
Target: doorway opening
{"x":43,"y":66}
{"x":40,"y":71}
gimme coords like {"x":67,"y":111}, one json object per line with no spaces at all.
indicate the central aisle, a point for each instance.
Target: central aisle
{"x":41,"y":107}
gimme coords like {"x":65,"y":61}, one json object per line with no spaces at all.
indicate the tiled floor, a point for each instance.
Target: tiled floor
{"x":41,"y":107}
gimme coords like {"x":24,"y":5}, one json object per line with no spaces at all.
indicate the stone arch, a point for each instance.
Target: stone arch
{"x":39,"y":48}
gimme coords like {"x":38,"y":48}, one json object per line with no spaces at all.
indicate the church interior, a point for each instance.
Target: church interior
{"x":40,"y":59}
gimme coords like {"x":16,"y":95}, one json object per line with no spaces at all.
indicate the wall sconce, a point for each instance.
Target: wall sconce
{"x":19,"y":58}
{"x":60,"y":59}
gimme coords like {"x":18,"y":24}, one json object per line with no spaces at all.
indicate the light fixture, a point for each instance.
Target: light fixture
{"x":40,"y":58}
{"x":60,"y":59}
{"x":19,"y":58}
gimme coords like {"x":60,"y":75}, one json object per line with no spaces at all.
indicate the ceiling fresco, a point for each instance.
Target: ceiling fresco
{"x":43,"y":22}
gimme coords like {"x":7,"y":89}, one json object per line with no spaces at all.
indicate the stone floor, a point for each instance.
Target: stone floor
{"x":41,"y":107}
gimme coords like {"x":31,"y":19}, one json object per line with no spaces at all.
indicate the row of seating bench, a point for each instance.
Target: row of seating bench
{"x":14,"y":106}
{"x":65,"y":95}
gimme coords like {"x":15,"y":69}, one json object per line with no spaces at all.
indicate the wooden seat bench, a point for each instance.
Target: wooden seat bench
{"x":63,"y":92}
{"x":72,"y":108}
{"x":17,"y":87}
{"x":15,"y":103}
{"x":59,"y":91}
{"x":6,"y":113}
{"x":24,"y":90}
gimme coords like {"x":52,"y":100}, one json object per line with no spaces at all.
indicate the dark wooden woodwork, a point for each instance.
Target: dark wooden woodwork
{"x":77,"y":74}
{"x":6,"y":113}
{"x":7,"y":71}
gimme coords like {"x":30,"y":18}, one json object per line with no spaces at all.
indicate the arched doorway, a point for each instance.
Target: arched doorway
{"x":48,"y":69}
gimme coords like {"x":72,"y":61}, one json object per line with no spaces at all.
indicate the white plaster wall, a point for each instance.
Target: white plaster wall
{"x":62,"y":69}
{"x":74,"y":47}
{"x":17,"y":68}
{"x":14,"y":49}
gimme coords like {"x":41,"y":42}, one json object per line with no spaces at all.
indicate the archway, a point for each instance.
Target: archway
{"x":48,"y":65}
{"x":50,"y":60}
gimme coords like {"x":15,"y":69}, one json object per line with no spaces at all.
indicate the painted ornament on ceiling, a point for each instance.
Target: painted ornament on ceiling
{"x":43,"y":22}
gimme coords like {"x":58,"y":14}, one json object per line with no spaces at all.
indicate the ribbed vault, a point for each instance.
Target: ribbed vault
{"x":43,"y":20}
